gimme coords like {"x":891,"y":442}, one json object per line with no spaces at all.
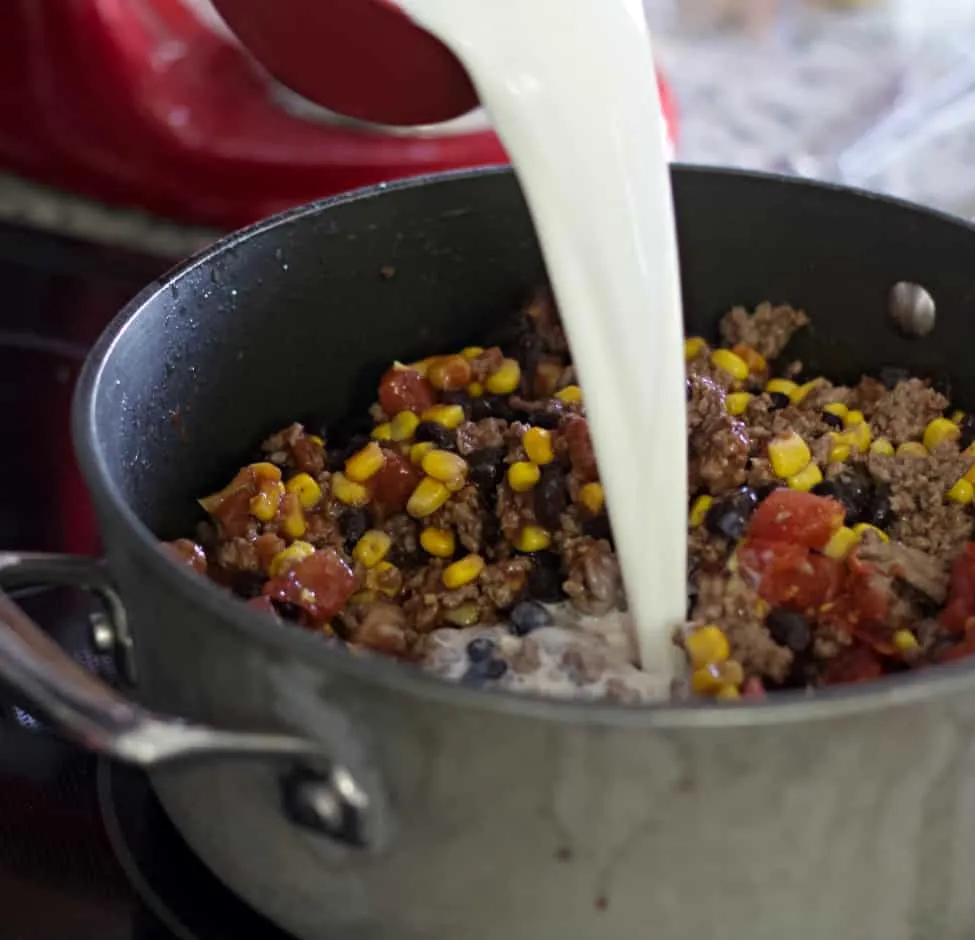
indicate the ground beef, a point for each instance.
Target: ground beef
{"x":767,"y":330}
{"x":717,"y":443}
{"x":903,"y":413}
{"x":593,"y":581}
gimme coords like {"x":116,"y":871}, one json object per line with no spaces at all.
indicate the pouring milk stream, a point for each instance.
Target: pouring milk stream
{"x":570,"y":87}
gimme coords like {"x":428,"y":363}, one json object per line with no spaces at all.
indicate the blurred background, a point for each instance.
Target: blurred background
{"x":144,"y":122}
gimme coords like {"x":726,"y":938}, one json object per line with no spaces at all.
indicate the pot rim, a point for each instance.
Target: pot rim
{"x":233,"y":614}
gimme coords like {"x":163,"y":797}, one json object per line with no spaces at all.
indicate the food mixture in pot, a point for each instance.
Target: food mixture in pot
{"x":462,"y":524}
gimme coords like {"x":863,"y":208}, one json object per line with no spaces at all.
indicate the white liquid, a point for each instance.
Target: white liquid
{"x":570,"y":87}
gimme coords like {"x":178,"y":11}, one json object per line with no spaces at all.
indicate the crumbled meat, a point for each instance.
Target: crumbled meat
{"x":767,"y":330}
{"x":486,"y":434}
{"x":718,"y":444}
{"x":593,"y":581}
{"x":903,"y":413}
{"x":924,"y":573}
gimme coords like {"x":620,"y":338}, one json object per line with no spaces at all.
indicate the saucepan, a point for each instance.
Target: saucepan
{"x":351,"y":796}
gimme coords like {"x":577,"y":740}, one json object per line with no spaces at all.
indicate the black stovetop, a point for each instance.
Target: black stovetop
{"x":86,"y":851}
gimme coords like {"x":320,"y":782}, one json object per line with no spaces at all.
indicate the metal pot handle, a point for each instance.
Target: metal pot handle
{"x":316,"y":793}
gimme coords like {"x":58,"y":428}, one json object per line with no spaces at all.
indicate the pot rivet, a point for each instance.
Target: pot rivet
{"x":102,"y":633}
{"x":912,"y":308}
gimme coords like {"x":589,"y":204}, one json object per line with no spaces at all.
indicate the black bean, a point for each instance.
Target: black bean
{"x":942,"y":385}
{"x":492,"y":406}
{"x":833,"y":421}
{"x":789,"y":628}
{"x":598,"y":527}
{"x":352,"y":524}
{"x":545,"y":578}
{"x":687,"y":389}
{"x":967,"y":428}
{"x":457,"y":398}
{"x":527,"y":616}
{"x":485,"y":469}
{"x":891,"y":375}
{"x":778,"y":400}
{"x":480,"y":648}
{"x":853,"y":488}
{"x":729,"y":515}
{"x":544,"y":419}
{"x":763,"y":492}
{"x":342,"y":450}
{"x":550,"y":496}
{"x":287,"y":610}
{"x":248,"y":584}
{"x":441,"y":437}
{"x":484,"y":670}
{"x":879,"y":512}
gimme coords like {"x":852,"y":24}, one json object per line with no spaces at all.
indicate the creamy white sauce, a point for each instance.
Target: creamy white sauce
{"x":570,"y":87}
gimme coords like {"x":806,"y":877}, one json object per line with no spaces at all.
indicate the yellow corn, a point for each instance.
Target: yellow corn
{"x":446,"y":467}
{"x":288,"y":557}
{"x":365,"y":463}
{"x":706,"y":680}
{"x":788,"y":453}
{"x":570,"y":395}
{"x":522,"y":476}
{"x":693,"y":346}
{"x":266,"y":470}
{"x":970,"y":475}
{"x":806,"y":478}
{"x":727,"y":693}
{"x":506,"y":379}
{"x":449,"y":372}
{"x":839,"y":452}
{"x":403,"y":426}
{"x":751,"y":357}
{"x":462,"y":572}
{"x":962,"y":492}
{"x":303,"y":485}
{"x":861,"y":528}
{"x":293,"y":522}
{"x":593,"y":497}
{"x":419,"y":451}
{"x":538,"y":446}
{"x":957,"y":417}
{"x":315,"y":439}
{"x":733,"y":364}
{"x":837,"y":408}
{"x":737,"y":402}
{"x":264,"y":504}
{"x":448,"y":416}
{"x":882,"y":446}
{"x":348,"y":492}
{"x":912,"y":449}
{"x":782,"y":386}
{"x":939,"y":431}
{"x":699,"y":509}
{"x":857,"y":435}
{"x":427,"y":498}
{"x":372,"y":548}
{"x":842,"y":542}
{"x":385,"y":578}
{"x":905,"y":641}
{"x":852,"y":417}
{"x":465,"y":615}
{"x":800,"y":394}
{"x":706,"y":646}
{"x":382,"y":432}
{"x":438,"y":542}
{"x":471,"y":352}
{"x":475,"y":390}
{"x":532,"y":538}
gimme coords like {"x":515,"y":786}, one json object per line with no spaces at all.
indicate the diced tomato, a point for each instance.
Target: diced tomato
{"x":960,"y":609}
{"x":404,"y":390}
{"x":188,"y":553}
{"x":793,"y":516}
{"x":451,"y":373}
{"x":267,"y":546}
{"x":393,"y":483}
{"x":753,"y":688}
{"x":857,"y":664}
{"x":791,"y":575}
{"x":862,"y":610}
{"x":320,"y":585}
{"x":581,"y":454}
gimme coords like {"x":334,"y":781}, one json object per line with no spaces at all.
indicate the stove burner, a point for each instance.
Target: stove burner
{"x":181,"y":893}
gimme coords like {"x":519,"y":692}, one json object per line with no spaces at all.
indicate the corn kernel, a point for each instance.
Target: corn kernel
{"x":448,"y":416}
{"x":288,"y":557}
{"x":418,"y":451}
{"x":693,"y":346}
{"x":348,"y":492}
{"x":706,"y":646}
{"x":372,"y":548}
{"x":465,"y":615}
{"x":462,"y":572}
{"x":882,"y":446}
{"x":315,"y":439}
{"x":841,"y":543}
{"x":727,"y":693}
{"x":475,"y":390}
{"x":905,"y":641}
{"x":570,"y":395}
{"x":403,"y":426}
{"x":384,"y":578}
{"x":365,"y":463}
{"x":839,"y":452}
{"x":446,"y":467}
{"x":264,"y":504}
{"x":449,"y":372}
{"x":861,"y":529}
{"x":506,"y":380}
{"x":853,"y":417}
{"x":471,"y":352}
{"x":962,"y":492}
{"x":781,"y":386}
{"x":836,"y":408}
{"x":382,"y":432}
{"x":292,"y":518}
{"x":912,"y":449}
{"x":593,"y":497}
{"x":751,"y":356}
{"x":737,"y":402}
{"x":857,"y":435}
{"x":733,"y":364}
{"x":806,"y":478}
{"x":304,"y":486}
{"x":264,"y":470}
{"x":538,"y":446}
{"x":427,"y":498}
{"x":699,"y":509}
{"x":957,"y":417}
{"x":788,"y":454}
{"x":438,"y":542}
{"x":939,"y":431}
{"x":522,"y":476}
{"x":532,"y":538}
{"x":800,"y":394}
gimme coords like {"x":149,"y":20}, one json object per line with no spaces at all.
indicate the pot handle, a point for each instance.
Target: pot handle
{"x":317,"y":793}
